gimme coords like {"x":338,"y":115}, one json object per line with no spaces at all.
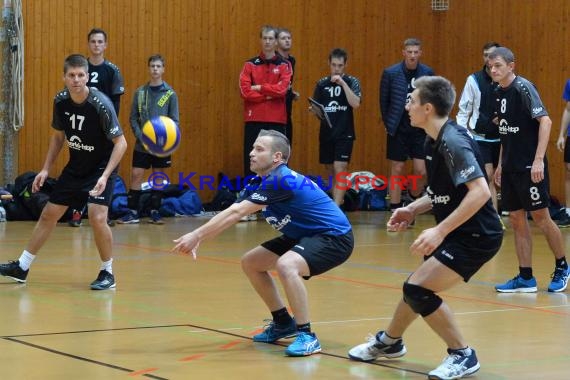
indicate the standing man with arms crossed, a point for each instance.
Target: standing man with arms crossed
{"x":339,"y":93}
{"x":316,"y":237}
{"x":403,"y":142}
{"x":563,"y":145}
{"x":85,"y":119}
{"x":467,"y":234}
{"x":264,"y":81}
{"x":156,"y":98}
{"x":106,"y":77}
{"x":476,"y":112}
{"x":283,"y":48}
{"x":522,"y":173}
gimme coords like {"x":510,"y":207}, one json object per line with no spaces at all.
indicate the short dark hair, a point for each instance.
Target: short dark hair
{"x":504,"y":53}
{"x":96,"y":31}
{"x":282,"y":30}
{"x":412,"y":41}
{"x":75,"y":60}
{"x":338,"y":53}
{"x":280,"y":142}
{"x":156,"y":57}
{"x":491,"y":44}
{"x":437,"y":91}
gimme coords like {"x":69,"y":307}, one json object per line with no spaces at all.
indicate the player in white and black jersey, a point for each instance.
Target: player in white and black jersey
{"x":84,"y":119}
{"x":522,"y":173}
{"x":339,"y":93}
{"x":467,"y":235}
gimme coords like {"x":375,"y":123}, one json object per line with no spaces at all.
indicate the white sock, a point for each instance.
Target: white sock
{"x":26,"y":260}
{"x":387,"y":339}
{"x":107,"y":265}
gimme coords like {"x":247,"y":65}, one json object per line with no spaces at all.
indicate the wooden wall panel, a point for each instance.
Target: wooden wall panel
{"x":205,"y":43}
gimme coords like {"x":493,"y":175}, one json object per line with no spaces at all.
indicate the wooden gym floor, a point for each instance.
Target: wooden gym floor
{"x":174,"y":318}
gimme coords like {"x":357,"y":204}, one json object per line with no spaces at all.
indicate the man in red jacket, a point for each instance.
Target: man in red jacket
{"x":263,"y":82}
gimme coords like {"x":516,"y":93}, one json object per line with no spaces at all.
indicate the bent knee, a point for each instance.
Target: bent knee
{"x":421,"y":300}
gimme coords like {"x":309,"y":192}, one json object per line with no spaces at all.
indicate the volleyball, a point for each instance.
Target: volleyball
{"x":160,"y":136}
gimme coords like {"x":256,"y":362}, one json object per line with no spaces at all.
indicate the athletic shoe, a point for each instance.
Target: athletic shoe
{"x":274,"y":332}
{"x":132,"y":217}
{"x":559,"y":280}
{"x":374,"y":349}
{"x":104,"y":280}
{"x":564,"y":221}
{"x":75,"y":220}
{"x":517,"y":285}
{"x":110,"y":222}
{"x":249,"y":218}
{"x":456,"y":366}
{"x":306,"y":344}
{"x":12,"y":270}
{"x":155,"y":217}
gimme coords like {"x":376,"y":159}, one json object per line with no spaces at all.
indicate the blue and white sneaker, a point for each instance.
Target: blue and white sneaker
{"x":273,"y":332}
{"x":374,"y":349}
{"x":132,"y":217}
{"x":306,"y":344}
{"x":517,"y":285}
{"x":559,"y":280}
{"x":456,"y":366}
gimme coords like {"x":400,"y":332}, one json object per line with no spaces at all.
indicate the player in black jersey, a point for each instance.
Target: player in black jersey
{"x":467,"y":235}
{"x":522,"y":173}
{"x":106,"y":77}
{"x":339,"y":93}
{"x":85,"y":119}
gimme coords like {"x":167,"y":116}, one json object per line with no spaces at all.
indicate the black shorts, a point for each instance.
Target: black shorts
{"x":490,"y":152}
{"x":74,"y":192}
{"x":519,"y":192}
{"x":567,"y":151}
{"x":146,"y":160}
{"x":406,"y":144}
{"x":466,"y":254}
{"x":335,"y":150}
{"x":321,"y":252}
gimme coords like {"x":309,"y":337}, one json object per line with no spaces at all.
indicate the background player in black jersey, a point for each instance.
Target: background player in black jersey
{"x":84,"y":118}
{"x":524,"y":127}
{"x":284,"y":43}
{"x":106,"y":77}
{"x":467,"y":235}
{"x":339,"y":93}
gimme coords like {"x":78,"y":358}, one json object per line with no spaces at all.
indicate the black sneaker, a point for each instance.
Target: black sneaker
{"x":564,"y":221}
{"x":105,"y":280}
{"x":12,"y":270}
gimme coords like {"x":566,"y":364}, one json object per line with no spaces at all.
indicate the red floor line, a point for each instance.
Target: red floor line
{"x":230,"y":344}
{"x":142,"y":371}
{"x":192,"y":357}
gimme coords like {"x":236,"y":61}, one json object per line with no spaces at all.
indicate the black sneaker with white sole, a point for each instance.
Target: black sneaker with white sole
{"x":12,"y":270}
{"x":104,"y":280}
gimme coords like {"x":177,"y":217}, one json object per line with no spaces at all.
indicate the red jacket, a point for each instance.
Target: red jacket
{"x":274,"y":76}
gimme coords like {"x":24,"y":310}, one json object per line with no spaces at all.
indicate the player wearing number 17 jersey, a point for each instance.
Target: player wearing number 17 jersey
{"x":524,"y":128}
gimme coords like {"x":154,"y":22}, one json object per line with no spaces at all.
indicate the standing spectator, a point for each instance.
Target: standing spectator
{"x":264,"y":81}
{"x":403,"y":141}
{"x":339,"y":93}
{"x":106,"y":77}
{"x":476,"y":112}
{"x":522,"y":172}
{"x":85,"y":120}
{"x":156,"y":98}
{"x":316,"y":237}
{"x":467,"y":234}
{"x":563,"y":145}
{"x":283,"y":47}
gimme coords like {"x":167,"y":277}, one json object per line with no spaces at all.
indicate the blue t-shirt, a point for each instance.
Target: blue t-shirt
{"x":295,"y":205}
{"x":566,"y":97}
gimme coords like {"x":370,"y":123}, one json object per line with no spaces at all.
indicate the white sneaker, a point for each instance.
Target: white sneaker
{"x":374,"y":349}
{"x":249,"y":218}
{"x":456,"y":366}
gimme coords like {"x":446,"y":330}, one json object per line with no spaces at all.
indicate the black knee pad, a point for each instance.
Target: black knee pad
{"x":422,"y":301}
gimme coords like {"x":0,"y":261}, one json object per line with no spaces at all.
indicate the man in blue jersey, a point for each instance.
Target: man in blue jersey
{"x":316,"y":237}
{"x":467,"y":235}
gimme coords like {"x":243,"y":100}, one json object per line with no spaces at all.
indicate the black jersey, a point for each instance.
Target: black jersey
{"x":339,"y":111}
{"x":107,"y":78}
{"x":89,"y":129}
{"x":518,"y":107}
{"x":451,"y":161}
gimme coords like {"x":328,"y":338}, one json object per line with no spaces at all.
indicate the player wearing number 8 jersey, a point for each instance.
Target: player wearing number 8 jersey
{"x":522,"y":173}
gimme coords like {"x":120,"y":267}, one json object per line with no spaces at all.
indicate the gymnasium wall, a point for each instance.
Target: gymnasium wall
{"x":205,"y":43}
